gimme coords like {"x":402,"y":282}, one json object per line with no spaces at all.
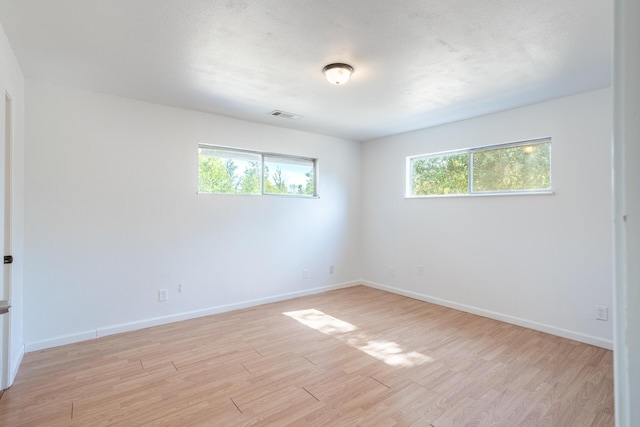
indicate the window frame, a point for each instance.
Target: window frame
{"x":470,"y":152}
{"x":262,"y":155}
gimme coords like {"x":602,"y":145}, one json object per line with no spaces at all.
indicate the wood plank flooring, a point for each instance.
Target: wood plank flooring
{"x":351,"y":357}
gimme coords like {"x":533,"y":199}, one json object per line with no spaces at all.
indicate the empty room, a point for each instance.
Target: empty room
{"x":320,"y":213}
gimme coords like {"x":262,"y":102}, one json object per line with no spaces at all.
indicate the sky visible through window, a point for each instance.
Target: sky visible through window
{"x":229,"y":171}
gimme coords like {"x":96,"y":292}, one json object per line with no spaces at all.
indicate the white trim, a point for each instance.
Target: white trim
{"x":157,"y":321}
{"x":15,"y":365}
{"x":626,"y":182}
{"x":58,"y":341}
{"x":520,"y":143}
{"x":486,"y":194}
{"x":163,"y":320}
{"x":549,"y":329}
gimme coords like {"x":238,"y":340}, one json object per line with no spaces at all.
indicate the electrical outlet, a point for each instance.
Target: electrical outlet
{"x":331,"y":269}
{"x":163,"y":295}
{"x":392,"y":271}
{"x":420,"y":270}
{"x":180,"y":288}
{"x":305,"y":274}
{"x":602,"y":312}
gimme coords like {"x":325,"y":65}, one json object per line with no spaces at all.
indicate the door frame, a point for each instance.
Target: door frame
{"x":5,"y":334}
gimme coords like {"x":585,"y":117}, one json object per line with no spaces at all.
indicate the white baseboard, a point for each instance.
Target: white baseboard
{"x":156,"y":321}
{"x":60,"y":340}
{"x":163,"y":320}
{"x":576,"y":336}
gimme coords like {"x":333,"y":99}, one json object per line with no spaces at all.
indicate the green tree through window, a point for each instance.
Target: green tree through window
{"x":441,"y":175}
{"x":214,"y":176}
{"x":231,"y":171}
{"x":509,"y":168}
{"x":291,"y":175}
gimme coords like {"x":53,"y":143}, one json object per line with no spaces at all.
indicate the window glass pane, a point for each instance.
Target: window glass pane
{"x":519,"y":168}
{"x":283,"y":175}
{"x":443,"y":174}
{"x":229,"y":171}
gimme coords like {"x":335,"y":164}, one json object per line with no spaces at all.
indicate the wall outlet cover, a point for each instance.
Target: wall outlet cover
{"x":602,"y":312}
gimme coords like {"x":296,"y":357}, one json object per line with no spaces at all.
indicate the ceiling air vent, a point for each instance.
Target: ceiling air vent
{"x":284,"y":114}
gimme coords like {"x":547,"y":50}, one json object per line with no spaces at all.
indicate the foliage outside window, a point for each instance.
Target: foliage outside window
{"x":231,"y":171}
{"x":522,"y":167}
{"x":288,"y":175}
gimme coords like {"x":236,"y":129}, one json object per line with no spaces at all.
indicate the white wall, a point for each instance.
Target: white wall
{"x":627,"y":212}
{"x":12,"y":82}
{"x":540,"y":261}
{"x":112,"y":216}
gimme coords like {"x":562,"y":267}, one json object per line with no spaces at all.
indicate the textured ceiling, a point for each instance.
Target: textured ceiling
{"x":417,"y":62}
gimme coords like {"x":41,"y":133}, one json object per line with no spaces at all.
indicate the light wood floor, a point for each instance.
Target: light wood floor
{"x":355,"y":356}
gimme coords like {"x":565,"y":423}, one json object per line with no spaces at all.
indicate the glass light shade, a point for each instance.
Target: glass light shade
{"x":338,"y":74}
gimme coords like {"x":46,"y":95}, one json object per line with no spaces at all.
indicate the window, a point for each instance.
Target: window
{"x":516,"y":168}
{"x":224,"y":170}
{"x":288,"y":175}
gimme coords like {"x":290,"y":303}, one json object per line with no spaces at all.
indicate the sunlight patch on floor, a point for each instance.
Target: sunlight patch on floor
{"x":320,"y":321}
{"x":387,"y":351}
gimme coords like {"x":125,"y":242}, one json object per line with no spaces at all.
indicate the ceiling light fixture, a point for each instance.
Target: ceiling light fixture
{"x":337,"y":73}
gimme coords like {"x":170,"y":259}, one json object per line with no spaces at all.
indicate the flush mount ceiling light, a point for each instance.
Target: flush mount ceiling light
{"x":337,"y":73}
